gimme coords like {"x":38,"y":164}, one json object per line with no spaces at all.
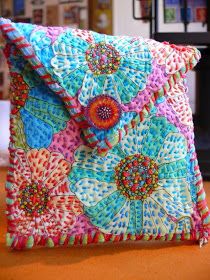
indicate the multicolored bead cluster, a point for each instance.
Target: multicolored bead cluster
{"x":103,"y":112}
{"x":18,"y":92}
{"x":136,"y":176}
{"x":33,"y":199}
{"x":102,"y":58}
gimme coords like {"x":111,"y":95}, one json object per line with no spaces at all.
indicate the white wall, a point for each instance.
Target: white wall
{"x":4,"y":132}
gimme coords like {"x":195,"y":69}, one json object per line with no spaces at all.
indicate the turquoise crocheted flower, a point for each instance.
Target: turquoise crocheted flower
{"x":141,"y":186}
{"x":92,"y":64}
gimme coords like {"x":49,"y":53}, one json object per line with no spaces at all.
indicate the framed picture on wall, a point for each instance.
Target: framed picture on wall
{"x":100,"y":16}
{"x":70,"y":1}
{"x":18,"y":7}
{"x":37,"y":2}
{"x":37,"y":17}
{"x":7,"y":8}
{"x":70,"y":15}
{"x":174,"y":11}
{"x":52,"y":15}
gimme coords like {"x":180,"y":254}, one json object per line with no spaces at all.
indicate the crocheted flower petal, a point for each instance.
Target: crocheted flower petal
{"x":64,"y":65}
{"x":120,"y":222}
{"x":97,"y":38}
{"x":138,"y":46}
{"x":24,"y":225}
{"x":122,"y":44}
{"x":135,"y":217}
{"x":174,"y":61}
{"x":61,"y":188}
{"x":38,"y":161}
{"x":86,"y":35}
{"x":91,"y":191}
{"x":137,"y":76}
{"x":144,"y":67}
{"x":78,"y":173}
{"x":155,"y":219}
{"x":162,"y":214}
{"x":22,"y":172}
{"x":178,"y":188}
{"x":125,"y":85}
{"x":104,"y":211}
{"x":184,"y":223}
{"x":58,"y":175}
{"x":127,"y":46}
{"x":91,"y":87}
{"x":43,"y":93}
{"x":55,"y":116}
{"x":54,"y":222}
{"x":53,"y":161}
{"x":159,"y":51}
{"x":110,"y":88}
{"x":84,"y":158}
{"x":174,"y":148}
{"x":66,"y":203}
{"x":155,"y":137}
{"x":77,"y":76}
{"x":132,"y":142}
{"x":177,"y":169}
{"x":40,"y":135}
{"x":170,"y":206}
{"x":68,"y":44}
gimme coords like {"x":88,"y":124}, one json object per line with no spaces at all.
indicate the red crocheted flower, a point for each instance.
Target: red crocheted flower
{"x":103,"y":112}
{"x":40,"y":200}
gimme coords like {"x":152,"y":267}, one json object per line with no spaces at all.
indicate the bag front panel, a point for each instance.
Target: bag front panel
{"x":125,"y":167}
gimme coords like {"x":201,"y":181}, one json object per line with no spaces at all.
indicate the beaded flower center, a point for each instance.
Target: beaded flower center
{"x":136,"y":176}
{"x":103,"y":112}
{"x":102,"y":58}
{"x":33,"y":199}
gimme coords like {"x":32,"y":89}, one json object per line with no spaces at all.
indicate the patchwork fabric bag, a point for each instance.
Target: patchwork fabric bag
{"x":102,"y":143}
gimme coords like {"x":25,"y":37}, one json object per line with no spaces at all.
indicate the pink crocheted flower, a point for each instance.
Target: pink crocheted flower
{"x":39,"y":198}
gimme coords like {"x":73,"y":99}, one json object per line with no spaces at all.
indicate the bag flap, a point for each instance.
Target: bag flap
{"x":107,"y":83}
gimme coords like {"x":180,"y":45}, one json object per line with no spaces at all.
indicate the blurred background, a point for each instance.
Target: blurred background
{"x":176,"y":21}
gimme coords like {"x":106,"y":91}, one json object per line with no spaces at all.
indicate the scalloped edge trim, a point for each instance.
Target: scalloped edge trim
{"x":20,"y":242}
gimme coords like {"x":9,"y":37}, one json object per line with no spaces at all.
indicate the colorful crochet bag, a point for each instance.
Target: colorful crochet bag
{"x":102,"y":144}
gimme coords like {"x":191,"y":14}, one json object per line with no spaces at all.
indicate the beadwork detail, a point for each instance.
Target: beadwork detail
{"x":18,"y":92}
{"x":102,"y":58}
{"x":136,"y":176}
{"x":33,"y":199}
{"x":103,"y":112}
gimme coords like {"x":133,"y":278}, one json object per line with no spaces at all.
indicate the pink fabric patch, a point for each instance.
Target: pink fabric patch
{"x":67,"y":141}
{"x":82,"y":225}
{"x":155,"y":81}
